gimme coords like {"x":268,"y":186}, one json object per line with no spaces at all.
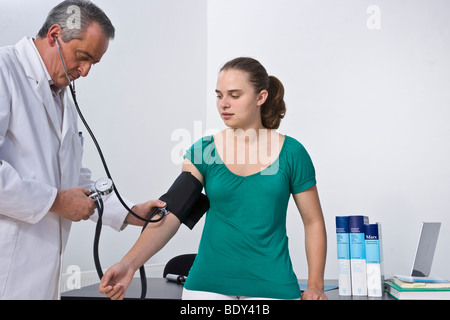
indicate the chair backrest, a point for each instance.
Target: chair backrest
{"x":179,"y":265}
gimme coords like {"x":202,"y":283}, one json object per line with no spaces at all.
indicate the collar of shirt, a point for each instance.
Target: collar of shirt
{"x":55,"y":90}
{"x":57,"y":93}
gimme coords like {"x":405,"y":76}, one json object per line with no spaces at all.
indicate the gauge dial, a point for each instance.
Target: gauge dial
{"x":104,"y":186}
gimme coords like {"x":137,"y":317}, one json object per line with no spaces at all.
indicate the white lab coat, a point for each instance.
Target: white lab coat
{"x":36,"y":159}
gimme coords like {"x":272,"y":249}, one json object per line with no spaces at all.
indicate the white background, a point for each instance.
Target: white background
{"x":372,"y":107}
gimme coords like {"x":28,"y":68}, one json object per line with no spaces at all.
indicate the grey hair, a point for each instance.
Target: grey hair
{"x":74,"y":16}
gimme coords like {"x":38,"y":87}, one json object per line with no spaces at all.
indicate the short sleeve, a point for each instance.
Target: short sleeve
{"x":302,"y":175}
{"x":202,"y":154}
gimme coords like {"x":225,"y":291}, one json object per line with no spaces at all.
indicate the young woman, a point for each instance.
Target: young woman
{"x":249,"y":172}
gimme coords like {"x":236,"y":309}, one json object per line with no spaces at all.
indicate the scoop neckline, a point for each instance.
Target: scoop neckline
{"x":256,"y":173}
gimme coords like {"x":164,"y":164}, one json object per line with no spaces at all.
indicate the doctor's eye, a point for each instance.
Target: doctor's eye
{"x":81,"y":57}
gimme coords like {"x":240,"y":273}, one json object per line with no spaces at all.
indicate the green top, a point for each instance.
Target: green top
{"x":244,"y":247}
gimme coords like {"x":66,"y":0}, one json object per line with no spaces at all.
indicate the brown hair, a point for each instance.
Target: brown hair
{"x":274,"y":109}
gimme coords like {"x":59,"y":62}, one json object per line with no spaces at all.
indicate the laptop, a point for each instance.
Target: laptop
{"x":423,"y":259}
{"x":425,"y":249}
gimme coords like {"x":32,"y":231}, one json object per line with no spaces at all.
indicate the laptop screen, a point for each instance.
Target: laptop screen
{"x":425,"y":249}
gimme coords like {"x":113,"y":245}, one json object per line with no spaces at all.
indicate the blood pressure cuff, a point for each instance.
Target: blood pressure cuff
{"x":185,"y":199}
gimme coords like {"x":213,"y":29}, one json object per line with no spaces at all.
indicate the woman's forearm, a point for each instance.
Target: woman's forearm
{"x":310,"y":209}
{"x":152,"y":239}
{"x":316,"y":250}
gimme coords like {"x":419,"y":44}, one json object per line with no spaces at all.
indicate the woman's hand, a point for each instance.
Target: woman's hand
{"x":314,"y":294}
{"x":116,"y":280}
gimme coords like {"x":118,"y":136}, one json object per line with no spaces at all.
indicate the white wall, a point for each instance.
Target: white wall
{"x":371,"y":106}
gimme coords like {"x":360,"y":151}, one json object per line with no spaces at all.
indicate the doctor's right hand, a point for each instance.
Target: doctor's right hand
{"x":74,"y":204}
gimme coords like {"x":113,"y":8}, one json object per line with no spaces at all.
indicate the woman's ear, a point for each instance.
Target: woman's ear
{"x":262,"y":97}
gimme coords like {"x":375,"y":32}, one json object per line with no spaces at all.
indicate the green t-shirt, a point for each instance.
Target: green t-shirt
{"x":244,"y":247}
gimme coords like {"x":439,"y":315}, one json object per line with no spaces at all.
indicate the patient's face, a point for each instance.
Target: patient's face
{"x":237,"y":101}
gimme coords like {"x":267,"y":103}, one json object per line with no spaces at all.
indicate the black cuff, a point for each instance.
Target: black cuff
{"x":185,"y":199}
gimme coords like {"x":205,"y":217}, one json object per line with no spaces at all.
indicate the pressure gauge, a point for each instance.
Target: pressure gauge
{"x":104,"y":186}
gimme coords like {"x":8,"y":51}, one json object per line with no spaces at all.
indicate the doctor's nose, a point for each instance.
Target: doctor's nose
{"x":84,"y":69}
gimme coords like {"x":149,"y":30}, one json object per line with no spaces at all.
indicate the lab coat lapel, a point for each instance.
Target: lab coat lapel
{"x":33,"y":70}
{"x":70,"y":153}
{"x":67,"y":117}
{"x":43,"y":90}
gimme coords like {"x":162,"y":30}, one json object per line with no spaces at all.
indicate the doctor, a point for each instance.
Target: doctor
{"x":43,"y":186}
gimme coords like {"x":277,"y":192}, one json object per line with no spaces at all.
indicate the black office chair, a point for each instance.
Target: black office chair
{"x":179,"y":265}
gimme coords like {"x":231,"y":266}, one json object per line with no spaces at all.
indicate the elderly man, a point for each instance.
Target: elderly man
{"x":43,"y":186}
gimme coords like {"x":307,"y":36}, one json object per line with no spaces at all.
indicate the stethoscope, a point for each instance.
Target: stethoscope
{"x":105,"y":186}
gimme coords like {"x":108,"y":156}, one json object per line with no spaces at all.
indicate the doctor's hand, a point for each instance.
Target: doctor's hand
{"x":116,"y":281}
{"x":74,"y":204}
{"x":143,"y":210}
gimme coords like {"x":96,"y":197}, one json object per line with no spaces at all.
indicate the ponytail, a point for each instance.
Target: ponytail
{"x":274,"y":109}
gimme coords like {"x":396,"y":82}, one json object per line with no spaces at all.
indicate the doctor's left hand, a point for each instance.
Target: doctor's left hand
{"x":143,"y":210}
